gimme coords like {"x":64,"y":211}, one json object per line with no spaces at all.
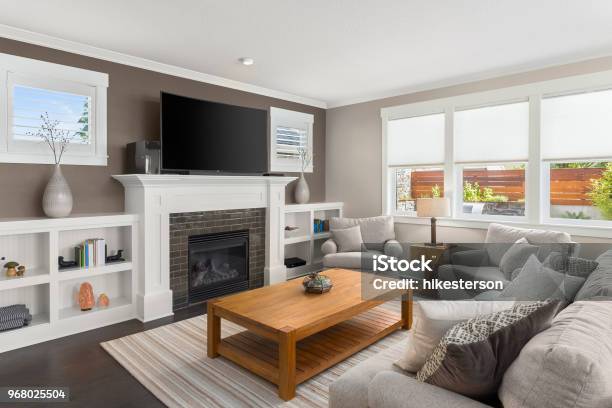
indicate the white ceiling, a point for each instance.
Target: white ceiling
{"x":335,"y":51}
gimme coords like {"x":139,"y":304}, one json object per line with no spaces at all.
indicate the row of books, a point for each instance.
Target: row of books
{"x":321,"y":225}
{"x":92,"y":252}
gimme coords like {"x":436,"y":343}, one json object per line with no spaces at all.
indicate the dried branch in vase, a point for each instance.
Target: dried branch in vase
{"x":56,"y":138}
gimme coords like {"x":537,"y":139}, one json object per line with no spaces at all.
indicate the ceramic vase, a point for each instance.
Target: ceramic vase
{"x":57,"y":199}
{"x":302,"y":192}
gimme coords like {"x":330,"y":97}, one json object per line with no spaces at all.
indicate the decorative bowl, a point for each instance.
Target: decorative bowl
{"x":315,"y":283}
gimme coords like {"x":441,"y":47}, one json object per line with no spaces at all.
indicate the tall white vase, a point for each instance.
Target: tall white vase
{"x":57,"y":199}
{"x":302,"y":192}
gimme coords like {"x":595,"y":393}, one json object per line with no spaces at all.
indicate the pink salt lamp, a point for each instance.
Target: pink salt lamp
{"x":86,"y":296}
{"x":103,"y":300}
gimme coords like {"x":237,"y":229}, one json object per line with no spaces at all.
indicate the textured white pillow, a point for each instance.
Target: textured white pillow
{"x":432,"y":319}
{"x":348,"y":239}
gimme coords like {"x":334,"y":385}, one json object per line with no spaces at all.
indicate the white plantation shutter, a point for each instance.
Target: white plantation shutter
{"x":290,"y":131}
{"x":289,"y":140}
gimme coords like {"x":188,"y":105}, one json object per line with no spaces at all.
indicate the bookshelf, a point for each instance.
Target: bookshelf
{"x":50,"y":292}
{"x":304,"y":242}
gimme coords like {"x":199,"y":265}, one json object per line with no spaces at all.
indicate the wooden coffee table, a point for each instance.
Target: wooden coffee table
{"x":292,"y":336}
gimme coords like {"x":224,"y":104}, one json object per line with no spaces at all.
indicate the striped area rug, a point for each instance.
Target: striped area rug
{"x":170,"y":361}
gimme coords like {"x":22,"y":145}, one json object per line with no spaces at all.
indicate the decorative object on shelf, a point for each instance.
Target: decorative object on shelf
{"x":433,"y":207}
{"x":302,"y":192}
{"x":11,"y":268}
{"x":86,"y":296}
{"x":103,"y":300}
{"x":14,"y":316}
{"x":65,"y":264}
{"x":21,"y":270}
{"x":57,"y":198}
{"x":118,"y":257}
{"x":317,"y":283}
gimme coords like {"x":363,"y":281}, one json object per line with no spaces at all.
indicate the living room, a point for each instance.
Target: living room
{"x":411,"y":206}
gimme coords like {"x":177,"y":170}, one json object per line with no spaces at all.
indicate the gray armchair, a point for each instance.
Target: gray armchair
{"x":378,"y":235}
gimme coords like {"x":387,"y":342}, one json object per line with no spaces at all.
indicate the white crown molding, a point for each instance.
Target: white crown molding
{"x":44,"y":40}
{"x":466,"y":79}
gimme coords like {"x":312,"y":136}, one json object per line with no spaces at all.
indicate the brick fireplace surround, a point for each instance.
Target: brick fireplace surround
{"x":182,"y":225}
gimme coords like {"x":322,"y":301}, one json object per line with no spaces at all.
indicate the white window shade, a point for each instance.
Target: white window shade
{"x":416,"y":140}
{"x":492,"y":134}
{"x":577,"y":126}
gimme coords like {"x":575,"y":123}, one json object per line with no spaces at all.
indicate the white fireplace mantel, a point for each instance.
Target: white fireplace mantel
{"x":157,"y":196}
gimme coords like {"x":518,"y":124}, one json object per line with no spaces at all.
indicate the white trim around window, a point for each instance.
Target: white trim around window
{"x":19,"y":72}
{"x":537,"y":189}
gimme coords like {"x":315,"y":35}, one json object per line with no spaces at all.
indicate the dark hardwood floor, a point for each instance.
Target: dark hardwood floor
{"x":95,"y":379}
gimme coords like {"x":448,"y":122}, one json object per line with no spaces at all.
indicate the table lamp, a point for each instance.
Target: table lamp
{"x":433,"y":207}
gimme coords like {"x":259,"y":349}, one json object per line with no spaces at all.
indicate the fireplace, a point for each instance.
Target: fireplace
{"x":218,"y":264}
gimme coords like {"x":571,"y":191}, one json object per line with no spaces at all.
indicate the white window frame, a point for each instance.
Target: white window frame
{"x":55,"y":77}
{"x":537,"y":193}
{"x":294,"y":119}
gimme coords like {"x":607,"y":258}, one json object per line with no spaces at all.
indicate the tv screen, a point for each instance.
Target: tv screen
{"x":206,"y":136}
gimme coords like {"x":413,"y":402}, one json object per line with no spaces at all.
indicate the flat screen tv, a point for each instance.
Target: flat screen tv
{"x":210,"y":137}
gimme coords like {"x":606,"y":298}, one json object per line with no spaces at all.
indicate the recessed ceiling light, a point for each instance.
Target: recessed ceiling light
{"x":246,"y":61}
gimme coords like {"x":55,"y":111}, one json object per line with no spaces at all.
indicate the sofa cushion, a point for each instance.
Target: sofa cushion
{"x":538,"y":282}
{"x":455,"y":272}
{"x":350,"y":260}
{"x":348,"y":239}
{"x":503,"y":236}
{"x":516,"y":256}
{"x":599,"y":282}
{"x":374,"y":230}
{"x":473,"y":356}
{"x":432,"y":319}
{"x":567,"y":365}
{"x":351,"y":389}
{"x":389,"y":389}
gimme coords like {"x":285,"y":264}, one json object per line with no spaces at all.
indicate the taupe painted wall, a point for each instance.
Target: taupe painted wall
{"x":354,"y":154}
{"x":133,"y":114}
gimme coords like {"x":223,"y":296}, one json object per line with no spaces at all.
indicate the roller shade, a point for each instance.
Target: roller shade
{"x":416,"y":141}
{"x":577,"y":126}
{"x":497,"y":133}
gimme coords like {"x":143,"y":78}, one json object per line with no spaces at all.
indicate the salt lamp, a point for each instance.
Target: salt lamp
{"x":86,"y":296}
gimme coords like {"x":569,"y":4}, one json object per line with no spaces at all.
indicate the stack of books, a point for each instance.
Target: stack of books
{"x":92,"y":252}
{"x":320,"y":225}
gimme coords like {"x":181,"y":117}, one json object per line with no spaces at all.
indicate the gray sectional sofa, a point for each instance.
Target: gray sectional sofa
{"x":567,"y":365}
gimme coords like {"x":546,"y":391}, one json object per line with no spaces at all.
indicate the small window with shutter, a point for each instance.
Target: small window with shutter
{"x":291,"y":133}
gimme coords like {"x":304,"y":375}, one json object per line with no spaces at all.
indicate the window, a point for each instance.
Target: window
{"x":73,"y":99}
{"x":415,"y":172}
{"x":539,"y":153}
{"x":484,"y":136}
{"x":290,"y":136}
{"x":494,"y":190}
{"x":413,"y":183}
{"x":576,"y":136}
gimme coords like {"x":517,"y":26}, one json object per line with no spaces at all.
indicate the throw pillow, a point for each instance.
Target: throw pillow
{"x":348,"y":239}
{"x":538,"y":282}
{"x":473,"y":356}
{"x":432,"y":319}
{"x":572,"y":265}
{"x":516,"y":256}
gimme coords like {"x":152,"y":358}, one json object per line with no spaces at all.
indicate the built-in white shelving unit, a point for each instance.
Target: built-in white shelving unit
{"x":304,"y":243}
{"x":51,"y":293}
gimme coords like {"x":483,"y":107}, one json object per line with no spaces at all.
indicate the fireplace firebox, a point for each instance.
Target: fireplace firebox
{"x":218,"y":264}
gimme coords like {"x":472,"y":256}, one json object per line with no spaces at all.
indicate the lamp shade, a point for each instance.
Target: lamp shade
{"x":433,"y":207}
